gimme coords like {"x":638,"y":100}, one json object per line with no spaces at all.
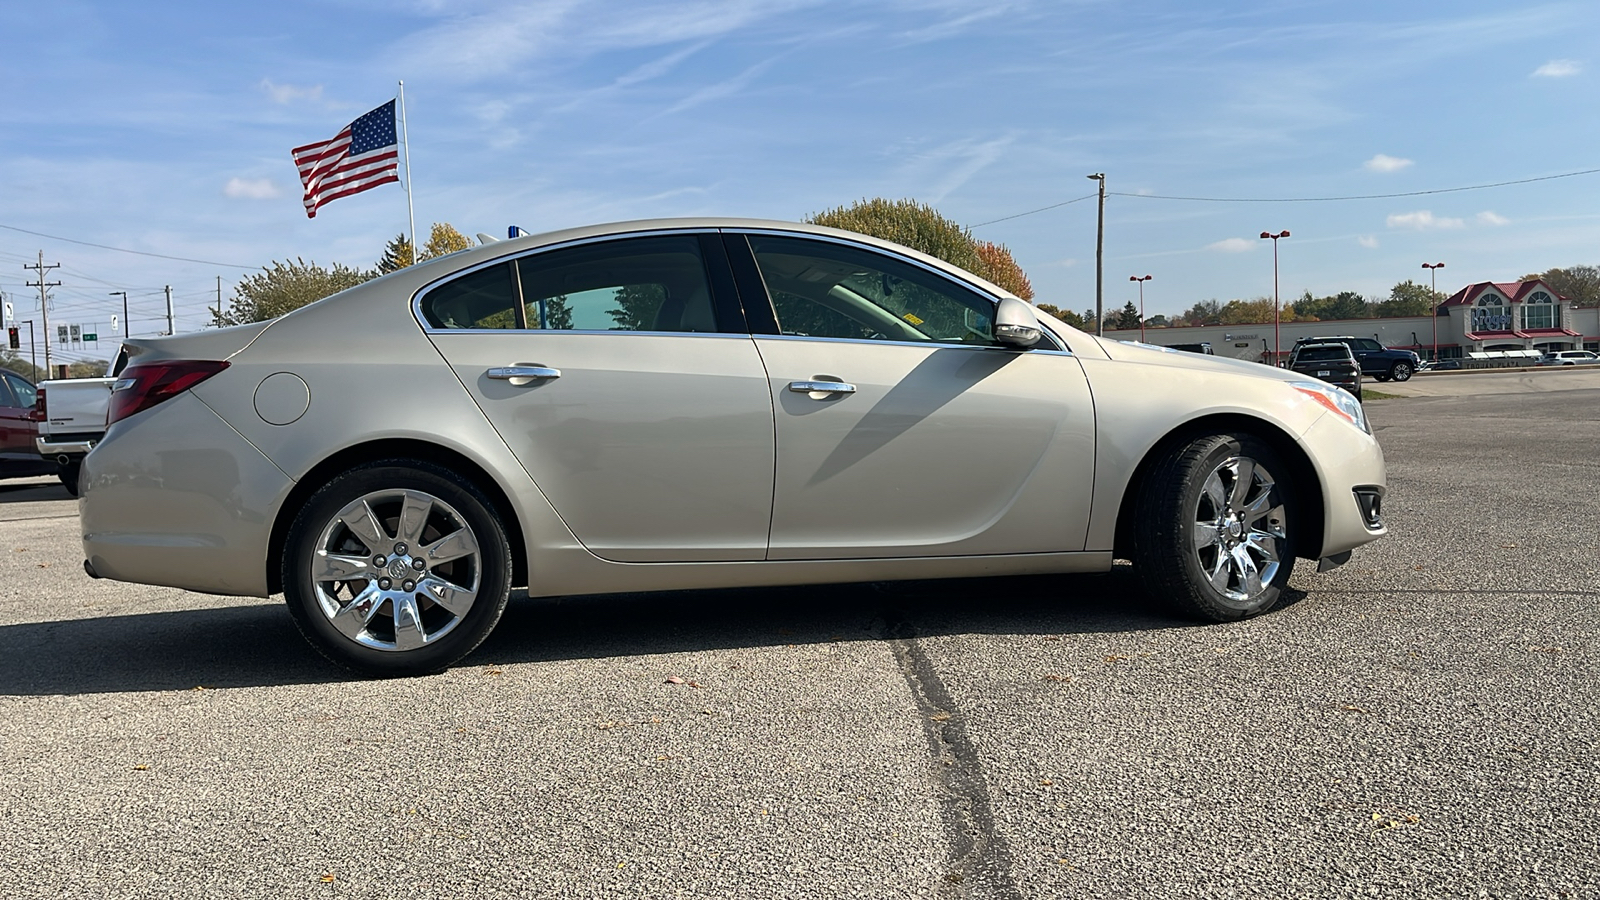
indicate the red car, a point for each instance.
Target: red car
{"x":19,"y":458}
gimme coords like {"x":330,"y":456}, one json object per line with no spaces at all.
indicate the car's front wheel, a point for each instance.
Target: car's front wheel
{"x":1401,"y":372}
{"x":1214,"y":532}
{"x":397,"y":568}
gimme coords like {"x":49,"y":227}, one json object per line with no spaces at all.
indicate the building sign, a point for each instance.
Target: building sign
{"x":1484,"y":320}
{"x":1241,"y":337}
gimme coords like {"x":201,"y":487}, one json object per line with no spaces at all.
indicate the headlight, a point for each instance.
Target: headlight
{"x":1336,"y":400}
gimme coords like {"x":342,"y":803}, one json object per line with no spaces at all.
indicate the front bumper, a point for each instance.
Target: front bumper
{"x":1348,"y":461}
{"x":174,"y":496}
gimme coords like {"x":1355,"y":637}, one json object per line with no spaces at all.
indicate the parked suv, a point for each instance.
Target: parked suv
{"x":1375,"y":359}
{"x":1331,"y":362}
{"x":1569,"y":358}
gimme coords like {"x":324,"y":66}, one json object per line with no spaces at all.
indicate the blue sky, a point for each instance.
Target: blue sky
{"x":166,"y":128}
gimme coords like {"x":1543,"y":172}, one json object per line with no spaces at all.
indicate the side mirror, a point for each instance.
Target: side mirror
{"x":1015,"y":325}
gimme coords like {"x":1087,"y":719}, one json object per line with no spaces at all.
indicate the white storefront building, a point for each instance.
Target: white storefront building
{"x":1484,"y":317}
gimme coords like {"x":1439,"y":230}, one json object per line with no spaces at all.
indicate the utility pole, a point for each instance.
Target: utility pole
{"x":170,"y":329}
{"x":1100,"y":260}
{"x":218,"y":322}
{"x":44,"y":301}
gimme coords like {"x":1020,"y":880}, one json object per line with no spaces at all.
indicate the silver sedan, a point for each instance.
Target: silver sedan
{"x":699,"y":403}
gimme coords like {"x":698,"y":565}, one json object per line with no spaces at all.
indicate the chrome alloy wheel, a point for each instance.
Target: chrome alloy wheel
{"x":396,"y":570}
{"x":1238,"y":527}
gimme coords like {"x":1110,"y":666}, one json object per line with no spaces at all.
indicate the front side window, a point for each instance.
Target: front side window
{"x":823,"y":289}
{"x":7,"y":398}
{"x":633,"y":284}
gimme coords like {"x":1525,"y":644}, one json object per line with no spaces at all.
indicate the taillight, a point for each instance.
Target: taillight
{"x":144,"y":386}
{"x":38,"y":413}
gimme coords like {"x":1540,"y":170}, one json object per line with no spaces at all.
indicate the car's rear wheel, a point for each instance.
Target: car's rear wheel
{"x":68,"y":473}
{"x":397,"y":568}
{"x":1214,"y":530}
{"x":1401,"y":371}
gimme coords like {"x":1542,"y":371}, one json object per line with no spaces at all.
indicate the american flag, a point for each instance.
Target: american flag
{"x":362,"y":156}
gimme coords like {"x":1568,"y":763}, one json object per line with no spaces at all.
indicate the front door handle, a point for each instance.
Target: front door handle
{"x":822,"y":387}
{"x":523,"y":374}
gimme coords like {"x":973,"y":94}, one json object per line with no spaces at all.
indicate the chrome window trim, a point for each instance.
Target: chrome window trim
{"x":422,"y":292}
{"x":935,"y":270}
{"x":868,"y":342}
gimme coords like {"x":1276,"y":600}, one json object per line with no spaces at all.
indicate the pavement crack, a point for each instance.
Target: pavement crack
{"x":979,"y":863}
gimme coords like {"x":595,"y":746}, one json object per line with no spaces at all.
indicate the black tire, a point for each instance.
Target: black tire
{"x":68,"y":474}
{"x":1178,"y":501}
{"x":1381,"y":377}
{"x":1401,"y":371}
{"x":397,"y":618}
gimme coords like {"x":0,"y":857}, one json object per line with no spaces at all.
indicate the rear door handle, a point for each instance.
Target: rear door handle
{"x":822,"y":387}
{"x":523,"y":374}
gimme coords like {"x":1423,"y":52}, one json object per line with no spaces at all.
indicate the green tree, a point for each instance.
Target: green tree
{"x":637,"y":306}
{"x":10,"y":359}
{"x":1206,"y":312}
{"x":285,"y":287}
{"x":1580,"y":284}
{"x":397,"y":254}
{"x":1157,"y":321}
{"x":1343,"y":305}
{"x":1409,"y":299}
{"x":1126,"y":318}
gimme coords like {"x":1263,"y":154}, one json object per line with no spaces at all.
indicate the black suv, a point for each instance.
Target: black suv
{"x":1375,"y":359}
{"x":1330,"y":361}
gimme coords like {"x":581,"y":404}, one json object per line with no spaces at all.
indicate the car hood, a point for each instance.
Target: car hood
{"x":1149,"y":354}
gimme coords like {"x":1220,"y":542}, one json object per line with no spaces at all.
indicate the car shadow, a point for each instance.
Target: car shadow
{"x":258,"y":645}
{"x":33,"y":491}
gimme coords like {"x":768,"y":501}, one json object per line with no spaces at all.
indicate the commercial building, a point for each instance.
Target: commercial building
{"x":1484,"y":317}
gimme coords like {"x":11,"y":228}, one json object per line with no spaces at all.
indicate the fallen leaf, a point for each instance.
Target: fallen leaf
{"x":141,"y":767}
{"x":1058,"y":678}
{"x":695,"y":684}
{"x":1350,"y":707}
{"x":328,"y":878}
{"x":673,"y":679}
{"x":1047,"y":782}
{"x":940,"y":716}
{"x":44,"y":565}
{"x":493,"y":672}
{"x":707,"y":712}
{"x":1114,"y":658}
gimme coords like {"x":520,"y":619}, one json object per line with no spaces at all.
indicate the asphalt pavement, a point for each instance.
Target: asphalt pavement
{"x":1420,"y":722}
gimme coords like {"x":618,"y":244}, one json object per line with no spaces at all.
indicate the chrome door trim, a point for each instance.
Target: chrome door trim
{"x":512,"y":373}
{"x":822,"y":387}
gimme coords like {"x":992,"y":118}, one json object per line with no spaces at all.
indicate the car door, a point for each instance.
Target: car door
{"x":903,"y":428}
{"x":13,"y":418}
{"x":622,"y":377}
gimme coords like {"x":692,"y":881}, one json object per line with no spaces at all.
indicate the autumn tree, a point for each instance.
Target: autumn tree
{"x":397,"y":254}
{"x":1082,"y":322}
{"x":1000,"y":268}
{"x":442,"y":239}
{"x":1579,"y":284}
{"x":285,"y":287}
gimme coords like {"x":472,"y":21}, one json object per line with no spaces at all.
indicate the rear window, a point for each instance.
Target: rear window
{"x":1318,"y":354}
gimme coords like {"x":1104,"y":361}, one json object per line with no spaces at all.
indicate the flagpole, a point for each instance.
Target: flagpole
{"x":411,"y":215}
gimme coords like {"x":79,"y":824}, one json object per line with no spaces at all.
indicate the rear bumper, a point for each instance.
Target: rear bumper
{"x":176,"y":497}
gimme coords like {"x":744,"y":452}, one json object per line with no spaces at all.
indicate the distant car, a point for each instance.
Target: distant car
{"x":1382,"y":363}
{"x":1445,"y":365}
{"x":1202,"y":347}
{"x":1331,"y":362}
{"x":1569,"y":358}
{"x":691,"y":404}
{"x":19,"y":427}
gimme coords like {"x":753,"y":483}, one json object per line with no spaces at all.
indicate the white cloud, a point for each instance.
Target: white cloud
{"x":1423,"y":220}
{"x":1386,"y":163}
{"x":1490,"y":217}
{"x":288,"y":93}
{"x":251,"y":188}
{"x":1232,"y":245}
{"x":1368,"y":241}
{"x":1558,"y":68}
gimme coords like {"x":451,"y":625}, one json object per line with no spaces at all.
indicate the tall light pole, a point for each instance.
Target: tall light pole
{"x":1433,"y":279}
{"x":1099,"y":259}
{"x":1277,"y":345}
{"x":1141,"y":302}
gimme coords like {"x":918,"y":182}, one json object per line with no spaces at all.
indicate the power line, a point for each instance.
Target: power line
{"x":1039,"y":210}
{"x":1473,"y":187}
{"x":207,"y":262}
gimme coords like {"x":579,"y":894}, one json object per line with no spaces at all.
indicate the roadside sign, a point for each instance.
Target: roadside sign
{"x":91,"y":336}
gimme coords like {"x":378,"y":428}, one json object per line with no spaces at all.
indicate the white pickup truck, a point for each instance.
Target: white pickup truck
{"x":72,"y":416}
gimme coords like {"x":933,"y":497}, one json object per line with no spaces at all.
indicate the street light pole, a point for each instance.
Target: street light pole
{"x":1141,"y":302}
{"x":1099,"y":259}
{"x":1433,"y":279}
{"x":1277,"y":343}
